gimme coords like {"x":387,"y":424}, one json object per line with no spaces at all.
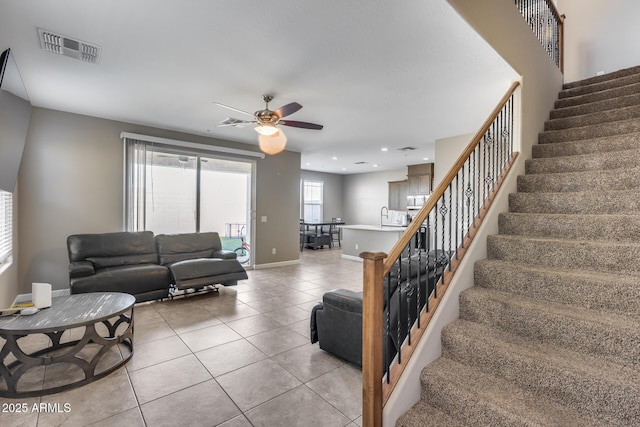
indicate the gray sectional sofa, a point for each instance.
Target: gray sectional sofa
{"x":148,"y":266}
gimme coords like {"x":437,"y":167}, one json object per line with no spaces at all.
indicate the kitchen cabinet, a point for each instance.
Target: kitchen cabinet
{"x":398,"y":191}
{"x":420,"y":178}
{"x":419,"y":184}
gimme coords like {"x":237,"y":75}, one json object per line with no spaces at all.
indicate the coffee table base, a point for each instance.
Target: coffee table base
{"x":56,"y":354}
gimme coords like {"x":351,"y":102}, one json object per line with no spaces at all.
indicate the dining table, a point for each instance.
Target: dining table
{"x":317,"y":238}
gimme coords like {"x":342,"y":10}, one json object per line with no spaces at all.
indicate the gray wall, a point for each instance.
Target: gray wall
{"x":447,"y":152}
{"x":71,"y":181}
{"x":332,"y":205}
{"x":600,"y":35}
{"x":366,"y":193}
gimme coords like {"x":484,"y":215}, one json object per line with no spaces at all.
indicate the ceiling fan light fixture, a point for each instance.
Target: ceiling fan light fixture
{"x":273,"y":144}
{"x":266,"y":129}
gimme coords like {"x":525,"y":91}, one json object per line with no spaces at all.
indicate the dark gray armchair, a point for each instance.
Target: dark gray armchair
{"x":336,"y":322}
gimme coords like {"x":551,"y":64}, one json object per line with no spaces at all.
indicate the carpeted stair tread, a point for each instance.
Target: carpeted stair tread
{"x":595,"y":290}
{"x":603,"y":77}
{"x":598,"y":180}
{"x":550,"y":333}
{"x":604,"y":85}
{"x":480,"y":399}
{"x":590,"y":131}
{"x":598,"y":106}
{"x":589,"y":385}
{"x":593,"y":118}
{"x":597,"y":96}
{"x":612,"y":336}
{"x":606,"y":227}
{"x":584,"y":162}
{"x":424,"y":415}
{"x":587,"y":146}
{"x":569,"y":255}
{"x":580,"y":202}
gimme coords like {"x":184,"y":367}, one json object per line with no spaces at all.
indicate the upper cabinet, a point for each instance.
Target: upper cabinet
{"x":398,"y":195}
{"x":420,"y":179}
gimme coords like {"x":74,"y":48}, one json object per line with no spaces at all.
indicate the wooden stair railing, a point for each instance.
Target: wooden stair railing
{"x":418,"y":269}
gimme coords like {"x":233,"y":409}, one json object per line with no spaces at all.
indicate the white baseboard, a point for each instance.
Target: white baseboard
{"x":352,"y":258}
{"x":27,"y":297}
{"x":276,"y":264}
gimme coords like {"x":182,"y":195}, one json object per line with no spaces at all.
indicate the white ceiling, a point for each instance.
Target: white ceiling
{"x":375,"y":73}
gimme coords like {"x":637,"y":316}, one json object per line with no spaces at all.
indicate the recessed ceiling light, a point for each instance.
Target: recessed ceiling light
{"x":425,"y":158}
{"x":334,"y":158}
{"x":307,"y":164}
{"x":384,"y":149}
{"x":344,"y":169}
{"x":375,"y":165}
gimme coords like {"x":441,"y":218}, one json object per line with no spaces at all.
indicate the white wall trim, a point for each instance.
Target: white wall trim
{"x":276,"y":264}
{"x":352,"y":258}
{"x":195,"y":145}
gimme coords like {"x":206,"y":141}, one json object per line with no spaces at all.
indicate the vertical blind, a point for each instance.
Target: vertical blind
{"x":6,"y":225}
{"x":135,"y":183}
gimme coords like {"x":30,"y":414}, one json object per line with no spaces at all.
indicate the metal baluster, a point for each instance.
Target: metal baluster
{"x":409,"y":291}
{"x":419,"y":241}
{"x":450,"y":217}
{"x":387,"y":337}
{"x":477,"y":189}
{"x":428,"y":246}
{"x":398,"y":320}
{"x":457,"y":225}
{"x":511,"y":126}
{"x":463,"y":202}
{"x":443,"y":212}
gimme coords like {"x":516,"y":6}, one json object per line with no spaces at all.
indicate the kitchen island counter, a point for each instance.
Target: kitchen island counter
{"x":360,"y":238}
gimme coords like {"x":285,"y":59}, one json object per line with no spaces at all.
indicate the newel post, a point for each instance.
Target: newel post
{"x":372,"y":307}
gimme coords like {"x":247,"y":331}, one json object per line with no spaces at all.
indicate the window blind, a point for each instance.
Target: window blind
{"x":6,"y":225}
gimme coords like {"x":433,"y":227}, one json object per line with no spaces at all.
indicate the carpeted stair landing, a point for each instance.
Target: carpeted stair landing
{"x":550,"y":334}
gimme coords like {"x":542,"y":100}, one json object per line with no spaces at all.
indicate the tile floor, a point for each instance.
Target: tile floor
{"x":239,"y":357}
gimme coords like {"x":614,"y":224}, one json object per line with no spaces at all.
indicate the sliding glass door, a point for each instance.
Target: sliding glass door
{"x":176,"y":190}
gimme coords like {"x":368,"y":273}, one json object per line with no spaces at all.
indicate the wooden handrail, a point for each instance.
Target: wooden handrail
{"x":561,"y":42}
{"x":421,"y":216}
{"x":377,"y":265}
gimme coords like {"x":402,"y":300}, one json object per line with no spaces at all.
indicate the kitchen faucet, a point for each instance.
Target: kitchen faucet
{"x":383,"y":215}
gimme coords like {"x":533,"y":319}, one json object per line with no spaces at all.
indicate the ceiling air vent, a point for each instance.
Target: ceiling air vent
{"x":407,"y":149}
{"x":63,"y":45}
{"x":360,"y":163}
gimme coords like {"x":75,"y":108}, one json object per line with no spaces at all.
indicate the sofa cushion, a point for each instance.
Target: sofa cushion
{"x":173,"y":248}
{"x":113,"y":249}
{"x":136,"y":279}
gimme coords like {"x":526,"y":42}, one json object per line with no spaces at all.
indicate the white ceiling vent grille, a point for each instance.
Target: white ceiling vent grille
{"x":63,"y":45}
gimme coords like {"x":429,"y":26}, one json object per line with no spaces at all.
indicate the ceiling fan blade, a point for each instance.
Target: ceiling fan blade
{"x":304,"y":125}
{"x":230,"y":121}
{"x":234,"y":109}
{"x":288,"y":109}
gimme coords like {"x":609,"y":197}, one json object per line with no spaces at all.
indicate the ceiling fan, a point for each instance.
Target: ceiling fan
{"x":272,"y":139}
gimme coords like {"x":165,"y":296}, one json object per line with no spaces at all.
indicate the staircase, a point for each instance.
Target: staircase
{"x":550,"y":334}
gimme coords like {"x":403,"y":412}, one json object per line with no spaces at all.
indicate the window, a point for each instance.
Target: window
{"x":6,"y":225}
{"x":312,"y":200}
{"x":172,"y":189}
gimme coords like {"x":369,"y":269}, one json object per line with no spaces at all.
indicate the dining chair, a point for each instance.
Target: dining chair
{"x":335,"y":231}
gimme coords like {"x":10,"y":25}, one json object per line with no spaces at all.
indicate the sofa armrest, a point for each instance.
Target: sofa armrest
{"x":81,"y":269}
{"x":224,"y":254}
